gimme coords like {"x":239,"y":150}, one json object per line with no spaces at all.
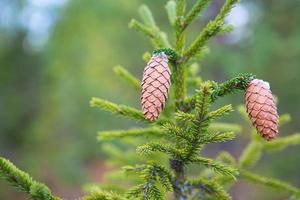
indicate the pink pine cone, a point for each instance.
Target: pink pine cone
{"x":262,"y":109}
{"x":155,"y":86}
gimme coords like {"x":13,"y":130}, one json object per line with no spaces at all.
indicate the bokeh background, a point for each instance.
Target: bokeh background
{"x":56,"y":54}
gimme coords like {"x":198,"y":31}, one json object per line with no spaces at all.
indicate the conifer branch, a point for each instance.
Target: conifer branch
{"x":179,"y":69}
{"x":194,"y":12}
{"x":211,"y":188}
{"x":172,"y":55}
{"x":128,"y":77}
{"x":151,"y":174}
{"x":145,"y":191}
{"x":180,"y":8}
{"x":284,"y":119}
{"x":203,"y":100}
{"x":270,"y":182}
{"x":153,"y":170}
{"x":251,"y":154}
{"x":225,"y":110}
{"x":216,"y":137}
{"x":203,"y":52}
{"x":217,"y":166}
{"x":23,"y":182}
{"x":158,"y":38}
{"x":171,"y":11}
{"x":226,"y":158}
{"x":103,"y":195}
{"x":117,"y":109}
{"x":211,"y":29}
{"x":179,"y":84}
{"x":226,"y":29}
{"x":176,"y":132}
{"x":185,"y":117}
{"x":179,"y":36}
{"x":281,"y":143}
{"x":224,"y":127}
{"x":134,"y":24}
{"x":147,"y":16}
{"x":108,"y":135}
{"x":239,"y":82}
{"x":158,"y":147}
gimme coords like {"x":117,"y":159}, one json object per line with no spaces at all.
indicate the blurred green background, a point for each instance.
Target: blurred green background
{"x":56,"y":54}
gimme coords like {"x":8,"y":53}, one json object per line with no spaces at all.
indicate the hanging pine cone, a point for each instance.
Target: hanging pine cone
{"x":261,"y":108}
{"x":155,"y":86}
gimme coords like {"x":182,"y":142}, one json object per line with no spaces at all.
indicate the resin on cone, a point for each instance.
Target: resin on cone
{"x":155,"y":86}
{"x":261,"y":108}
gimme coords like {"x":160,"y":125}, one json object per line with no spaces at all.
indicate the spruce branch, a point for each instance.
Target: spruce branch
{"x":194,"y":12}
{"x":185,"y":117}
{"x":251,"y":154}
{"x":216,"y":137}
{"x":172,"y":55}
{"x":171,"y":11}
{"x":158,"y":38}
{"x":138,"y":132}
{"x":154,"y":171}
{"x":217,"y":166}
{"x":211,"y":29}
{"x":284,"y":119}
{"x":176,"y":132}
{"x":180,"y":8}
{"x":128,"y":77}
{"x":209,"y":187}
{"x":281,"y":143}
{"x":147,"y":16}
{"x":23,"y":182}
{"x":179,"y":84}
{"x":226,"y":158}
{"x":39,"y":191}
{"x":226,"y":29}
{"x":159,"y":147}
{"x":151,"y":174}
{"x":225,"y":110}
{"x":203,"y":52}
{"x":199,"y":125}
{"x":203,"y":100}
{"x":147,"y":191}
{"x":270,"y":182}
{"x":224,"y":127}
{"x":134,"y":24}
{"x":179,"y":36}
{"x":117,"y":109}
{"x":103,"y":195}
{"x":239,"y":82}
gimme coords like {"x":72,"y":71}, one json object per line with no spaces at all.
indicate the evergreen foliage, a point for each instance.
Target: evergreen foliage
{"x":23,"y":182}
{"x":174,"y":142}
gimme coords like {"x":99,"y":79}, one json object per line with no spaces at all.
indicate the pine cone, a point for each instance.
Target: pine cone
{"x":155,"y":86}
{"x":261,"y":108}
